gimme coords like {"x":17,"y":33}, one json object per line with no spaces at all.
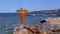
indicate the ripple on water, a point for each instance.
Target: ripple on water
{"x":6,"y":25}
{"x":7,"y":28}
{"x":0,"y":25}
{"x":6,"y":31}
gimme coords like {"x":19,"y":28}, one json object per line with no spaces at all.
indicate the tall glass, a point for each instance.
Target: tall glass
{"x":21,"y":13}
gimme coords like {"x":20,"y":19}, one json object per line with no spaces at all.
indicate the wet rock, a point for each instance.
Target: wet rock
{"x":42,"y":21}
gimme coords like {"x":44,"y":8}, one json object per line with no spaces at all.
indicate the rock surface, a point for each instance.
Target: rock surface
{"x":28,"y":30}
{"x":33,"y":30}
{"x":53,"y":20}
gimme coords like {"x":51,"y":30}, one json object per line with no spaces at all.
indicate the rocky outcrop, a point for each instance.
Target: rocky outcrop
{"x":34,"y":30}
{"x":53,"y":20}
{"x":28,"y":30}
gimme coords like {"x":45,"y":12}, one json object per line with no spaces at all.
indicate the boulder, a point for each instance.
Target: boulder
{"x":53,"y":20}
{"x":28,"y":30}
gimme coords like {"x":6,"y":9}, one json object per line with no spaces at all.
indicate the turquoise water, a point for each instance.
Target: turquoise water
{"x":8,"y":22}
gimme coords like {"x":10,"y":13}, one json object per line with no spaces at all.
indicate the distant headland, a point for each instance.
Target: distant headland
{"x":54,"y":10}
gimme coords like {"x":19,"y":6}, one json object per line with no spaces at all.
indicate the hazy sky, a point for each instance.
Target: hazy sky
{"x":10,"y":6}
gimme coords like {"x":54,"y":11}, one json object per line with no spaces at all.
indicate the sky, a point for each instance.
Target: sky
{"x":10,"y":6}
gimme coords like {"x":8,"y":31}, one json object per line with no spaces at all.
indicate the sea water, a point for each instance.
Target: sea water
{"x":8,"y":21}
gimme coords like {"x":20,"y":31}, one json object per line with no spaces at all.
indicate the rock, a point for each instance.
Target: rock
{"x":28,"y":30}
{"x":53,"y":20}
{"x":19,"y":30}
{"x":33,"y":30}
{"x":42,"y":21}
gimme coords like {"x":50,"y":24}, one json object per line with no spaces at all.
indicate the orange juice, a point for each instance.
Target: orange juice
{"x":21,"y":14}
